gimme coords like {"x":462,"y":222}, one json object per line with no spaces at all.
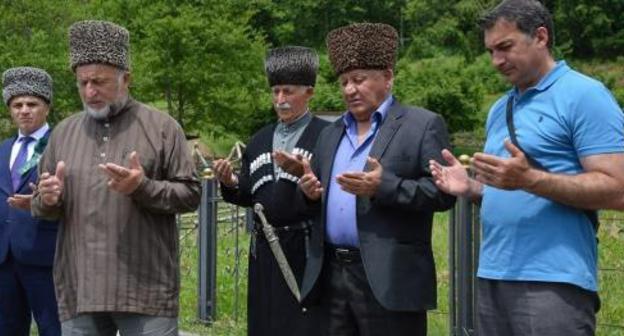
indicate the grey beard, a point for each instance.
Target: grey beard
{"x":106,"y":111}
{"x":99,"y":114}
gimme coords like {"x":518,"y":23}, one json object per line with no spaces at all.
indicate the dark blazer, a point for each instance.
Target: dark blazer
{"x":394,"y":226}
{"x":32,"y":241}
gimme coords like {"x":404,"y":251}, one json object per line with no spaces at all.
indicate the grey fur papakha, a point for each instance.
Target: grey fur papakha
{"x":362,"y":46}
{"x":99,"y":42}
{"x":291,"y":65}
{"x":26,"y":81}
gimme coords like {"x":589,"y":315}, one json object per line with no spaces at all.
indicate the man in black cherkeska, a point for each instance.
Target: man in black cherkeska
{"x":272,"y":309}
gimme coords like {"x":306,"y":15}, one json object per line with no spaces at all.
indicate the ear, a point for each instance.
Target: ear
{"x":388,"y":74}
{"x":310,"y":91}
{"x":127,"y":78}
{"x":389,"y":77}
{"x":541,"y":36}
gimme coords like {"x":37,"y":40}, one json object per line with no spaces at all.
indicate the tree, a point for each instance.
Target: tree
{"x":589,"y":28}
{"x":28,"y":39}
{"x":444,"y":27}
{"x":307,"y":22}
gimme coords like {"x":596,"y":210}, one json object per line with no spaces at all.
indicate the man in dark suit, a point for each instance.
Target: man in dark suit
{"x":26,"y":244}
{"x":371,"y":260}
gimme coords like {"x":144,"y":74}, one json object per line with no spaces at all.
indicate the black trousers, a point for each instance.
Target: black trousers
{"x":350,"y":308}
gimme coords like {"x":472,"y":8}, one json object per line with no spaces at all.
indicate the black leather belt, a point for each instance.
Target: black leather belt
{"x":257,"y":233}
{"x":294,"y":227}
{"x":344,"y":255}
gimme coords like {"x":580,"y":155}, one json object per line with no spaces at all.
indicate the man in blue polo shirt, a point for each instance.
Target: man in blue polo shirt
{"x":538,"y":261}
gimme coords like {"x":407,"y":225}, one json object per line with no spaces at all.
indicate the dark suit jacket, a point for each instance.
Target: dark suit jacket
{"x":31,"y":241}
{"x":394,"y":226}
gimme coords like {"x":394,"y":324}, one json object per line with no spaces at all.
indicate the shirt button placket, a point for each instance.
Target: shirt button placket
{"x":105,"y":141}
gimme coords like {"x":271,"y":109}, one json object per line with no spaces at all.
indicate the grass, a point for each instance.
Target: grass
{"x":231,"y":309}
{"x":611,"y":261}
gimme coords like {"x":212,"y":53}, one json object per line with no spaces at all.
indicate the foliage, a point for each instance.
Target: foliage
{"x":441,"y":84}
{"x":307,"y":22}
{"x":327,"y":96}
{"x":446,"y":27}
{"x":29,"y":39}
{"x":204,"y":58}
{"x":589,"y":28}
{"x":220,"y":141}
{"x":584,"y":28}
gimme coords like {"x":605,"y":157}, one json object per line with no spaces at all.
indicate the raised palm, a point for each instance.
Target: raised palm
{"x":452,"y":179}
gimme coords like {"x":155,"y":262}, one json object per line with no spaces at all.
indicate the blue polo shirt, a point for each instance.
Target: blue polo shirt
{"x":565,"y":117}
{"x":341,"y":227}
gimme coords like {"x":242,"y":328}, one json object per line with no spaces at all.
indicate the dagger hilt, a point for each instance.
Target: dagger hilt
{"x":268,"y":229}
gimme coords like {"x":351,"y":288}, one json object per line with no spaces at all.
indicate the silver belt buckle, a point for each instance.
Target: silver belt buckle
{"x":343,"y":255}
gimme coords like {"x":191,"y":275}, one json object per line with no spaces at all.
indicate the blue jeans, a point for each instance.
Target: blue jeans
{"x":128,"y":324}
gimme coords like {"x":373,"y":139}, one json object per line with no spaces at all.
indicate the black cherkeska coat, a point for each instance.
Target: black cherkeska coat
{"x":271,"y":308}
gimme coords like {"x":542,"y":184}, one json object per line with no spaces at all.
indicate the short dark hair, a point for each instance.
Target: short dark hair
{"x":528,"y":15}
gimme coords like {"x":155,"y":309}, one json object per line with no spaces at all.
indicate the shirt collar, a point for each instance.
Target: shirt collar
{"x":561,"y":67}
{"x":378,"y":116}
{"x":295,"y":125}
{"x":38,"y":134}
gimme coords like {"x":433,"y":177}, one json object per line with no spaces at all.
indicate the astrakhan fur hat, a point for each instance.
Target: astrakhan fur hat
{"x":291,"y":65}
{"x":99,"y":42}
{"x":362,"y":46}
{"x":26,"y":81}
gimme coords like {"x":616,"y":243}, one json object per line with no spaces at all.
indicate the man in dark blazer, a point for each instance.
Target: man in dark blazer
{"x":371,"y":260}
{"x":26,"y":244}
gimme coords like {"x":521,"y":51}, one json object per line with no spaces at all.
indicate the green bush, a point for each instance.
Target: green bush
{"x":445,"y":85}
{"x":327,"y":96}
{"x":468,"y":142}
{"x":481,"y":70}
{"x":588,"y":28}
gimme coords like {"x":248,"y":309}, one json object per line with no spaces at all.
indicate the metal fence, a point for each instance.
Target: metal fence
{"x":215,"y":215}
{"x":463,"y":244}
{"x":207,"y":267}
